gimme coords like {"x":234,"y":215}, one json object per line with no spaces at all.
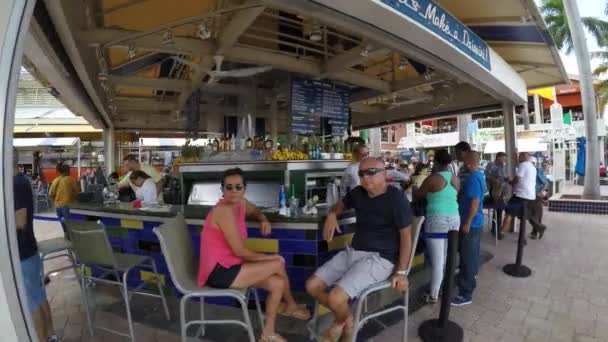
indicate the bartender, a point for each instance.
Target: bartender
{"x":146,"y":189}
{"x":132,"y":164}
{"x":350,"y":179}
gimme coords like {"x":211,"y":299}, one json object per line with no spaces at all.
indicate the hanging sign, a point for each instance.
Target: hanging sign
{"x":434,"y":18}
{"x":312,"y":100}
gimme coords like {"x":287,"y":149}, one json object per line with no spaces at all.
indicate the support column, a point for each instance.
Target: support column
{"x":375,"y":144}
{"x":273,"y":121}
{"x":526,"y":116}
{"x":538,"y":113}
{"x":602,"y":148}
{"x":463,"y":127}
{"x":109,"y":149}
{"x":509,"y":123}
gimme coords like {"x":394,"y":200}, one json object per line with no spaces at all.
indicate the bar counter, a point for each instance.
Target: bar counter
{"x":298,"y":239}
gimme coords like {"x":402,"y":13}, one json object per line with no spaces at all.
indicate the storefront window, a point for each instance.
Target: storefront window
{"x":384,"y":134}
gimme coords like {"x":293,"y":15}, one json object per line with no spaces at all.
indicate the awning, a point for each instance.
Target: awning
{"x":32,"y":142}
{"x":523,"y":145}
{"x":56,"y":129}
{"x":516,"y":30}
{"x":171,"y":142}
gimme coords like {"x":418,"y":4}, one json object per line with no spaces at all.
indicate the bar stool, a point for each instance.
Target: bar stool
{"x":362,"y":316}
{"x":176,"y":246}
{"x":50,"y":249}
{"x":92,"y":248}
{"x":491,"y":218}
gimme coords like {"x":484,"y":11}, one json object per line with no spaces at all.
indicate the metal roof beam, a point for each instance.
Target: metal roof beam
{"x":153,"y":42}
{"x":354,"y":56}
{"x":146,"y":82}
{"x":239,"y":23}
{"x":304,"y":66}
{"x":142,"y":104}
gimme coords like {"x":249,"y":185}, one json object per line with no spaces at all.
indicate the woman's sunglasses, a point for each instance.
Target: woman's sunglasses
{"x":236,"y":187}
{"x":370,"y":172}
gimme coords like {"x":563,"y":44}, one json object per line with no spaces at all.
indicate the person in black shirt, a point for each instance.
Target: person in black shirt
{"x":381,"y":247}
{"x":31,"y":264}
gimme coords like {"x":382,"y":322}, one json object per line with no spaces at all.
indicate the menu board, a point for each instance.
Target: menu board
{"x":313,"y":101}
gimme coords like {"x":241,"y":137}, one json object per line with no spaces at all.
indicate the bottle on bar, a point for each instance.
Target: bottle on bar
{"x":249,"y":143}
{"x":232,"y":143}
{"x":215,"y":146}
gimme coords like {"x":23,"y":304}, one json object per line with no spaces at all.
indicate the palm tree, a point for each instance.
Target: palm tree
{"x":602,"y":87}
{"x":555,"y":16}
{"x":566,"y":27}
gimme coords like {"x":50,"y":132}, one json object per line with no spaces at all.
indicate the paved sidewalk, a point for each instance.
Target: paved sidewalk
{"x":565,"y":299}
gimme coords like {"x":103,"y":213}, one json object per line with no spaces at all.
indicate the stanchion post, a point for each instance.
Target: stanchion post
{"x":517,"y":269}
{"x":442,"y":329}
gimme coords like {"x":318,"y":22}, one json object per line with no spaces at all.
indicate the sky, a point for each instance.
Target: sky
{"x":587,"y":8}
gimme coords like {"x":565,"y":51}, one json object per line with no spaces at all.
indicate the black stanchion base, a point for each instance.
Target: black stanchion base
{"x":515,"y":270}
{"x":431,"y":331}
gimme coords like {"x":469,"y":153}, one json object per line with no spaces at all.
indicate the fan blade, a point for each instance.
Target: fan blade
{"x":245,"y":72}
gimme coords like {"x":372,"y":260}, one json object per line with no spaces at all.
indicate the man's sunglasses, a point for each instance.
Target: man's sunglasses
{"x":370,"y":172}
{"x":237,"y":187}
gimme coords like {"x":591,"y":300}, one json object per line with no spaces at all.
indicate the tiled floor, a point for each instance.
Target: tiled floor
{"x":565,"y":299}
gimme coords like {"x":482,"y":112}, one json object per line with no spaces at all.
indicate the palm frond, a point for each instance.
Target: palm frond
{"x":602,"y":55}
{"x":598,"y":29}
{"x":601,"y":69}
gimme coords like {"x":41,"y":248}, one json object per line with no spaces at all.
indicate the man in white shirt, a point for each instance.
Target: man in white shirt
{"x":132,"y":164}
{"x":456,"y":167}
{"x":524,"y":191}
{"x":350,"y":179}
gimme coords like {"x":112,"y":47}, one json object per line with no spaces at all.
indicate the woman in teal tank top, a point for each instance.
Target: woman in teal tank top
{"x":440,"y":190}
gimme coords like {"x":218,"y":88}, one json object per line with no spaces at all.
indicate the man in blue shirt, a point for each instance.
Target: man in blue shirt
{"x":470,"y":203}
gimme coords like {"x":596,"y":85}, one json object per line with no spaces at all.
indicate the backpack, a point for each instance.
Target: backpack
{"x":500,"y":191}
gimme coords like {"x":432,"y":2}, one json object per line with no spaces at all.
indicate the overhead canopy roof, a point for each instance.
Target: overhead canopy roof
{"x":32,"y":142}
{"x":516,"y":30}
{"x":140,"y":61}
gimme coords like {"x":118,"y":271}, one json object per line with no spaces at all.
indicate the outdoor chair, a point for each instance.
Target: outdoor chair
{"x":176,"y":246}
{"x":492,"y":218}
{"x":92,"y":248}
{"x":41,"y":195}
{"x":56,"y":248}
{"x":360,"y":304}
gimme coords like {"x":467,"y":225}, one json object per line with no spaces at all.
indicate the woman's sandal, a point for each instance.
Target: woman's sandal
{"x":272,"y":338}
{"x":300,"y":312}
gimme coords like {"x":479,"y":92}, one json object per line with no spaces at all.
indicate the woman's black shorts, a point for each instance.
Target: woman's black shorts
{"x":221,"y":277}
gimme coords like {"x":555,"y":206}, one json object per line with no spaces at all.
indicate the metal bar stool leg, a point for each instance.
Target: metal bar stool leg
{"x":182,"y":318}
{"x":406,"y":314}
{"x":160,"y":291}
{"x":125,"y":289}
{"x":258,"y":307}
{"x":85,"y":300}
{"x":356,"y":320}
{"x":247,"y":320}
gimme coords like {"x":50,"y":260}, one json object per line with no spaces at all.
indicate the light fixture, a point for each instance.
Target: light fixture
{"x":167,"y":37}
{"x":428,"y":75}
{"x":203,"y":31}
{"x":131,"y":51}
{"x":365,"y":52}
{"x":316,"y":34}
{"x":403,"y":63}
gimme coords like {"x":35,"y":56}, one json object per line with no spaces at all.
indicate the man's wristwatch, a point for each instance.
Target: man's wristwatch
{"x":403,"y":273}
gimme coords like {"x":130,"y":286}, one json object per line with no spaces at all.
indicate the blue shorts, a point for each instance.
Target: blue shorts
{"x":34,"y":288}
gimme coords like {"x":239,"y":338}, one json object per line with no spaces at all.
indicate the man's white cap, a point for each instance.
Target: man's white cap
{"x":533,"y":160}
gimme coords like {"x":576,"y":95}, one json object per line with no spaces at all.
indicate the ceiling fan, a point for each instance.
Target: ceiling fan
{"x":217,"y":74}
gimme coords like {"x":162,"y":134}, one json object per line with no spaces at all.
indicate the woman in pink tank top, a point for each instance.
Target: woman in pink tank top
{"x":225,"y":261}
